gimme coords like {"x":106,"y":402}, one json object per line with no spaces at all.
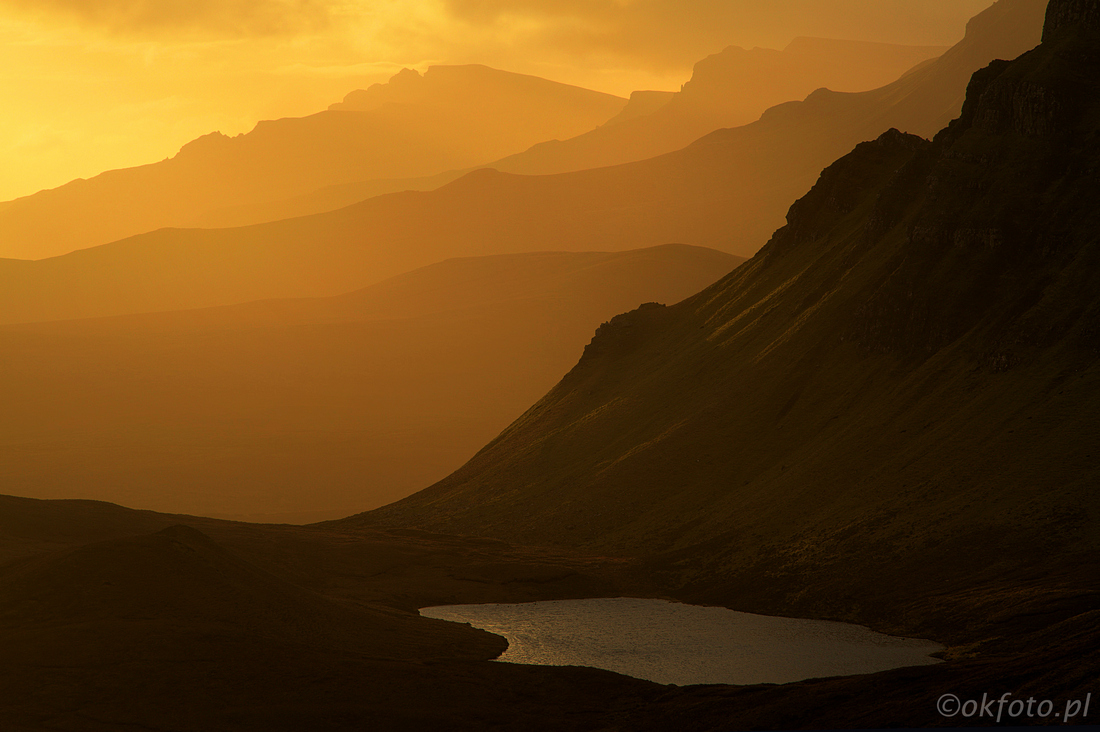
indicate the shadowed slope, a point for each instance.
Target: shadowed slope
{"x":301,"y":410}
{"x":200,"y":653}
{"x":454,"y":117}
{"x":179,"y":580}
{"x":900,"y":388}
{"x":172,"y":631}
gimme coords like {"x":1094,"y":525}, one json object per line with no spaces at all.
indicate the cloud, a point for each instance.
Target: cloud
{"x":672,"y":32}
{"x":231,"y":18}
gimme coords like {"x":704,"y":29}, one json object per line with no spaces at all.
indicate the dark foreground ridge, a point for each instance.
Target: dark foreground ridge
{"x":887,"y":416}
{"x":906,"y":369}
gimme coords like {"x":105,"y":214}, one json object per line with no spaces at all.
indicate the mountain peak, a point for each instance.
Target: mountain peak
{"x":1062,"y":13}
{"x":205,"y":143}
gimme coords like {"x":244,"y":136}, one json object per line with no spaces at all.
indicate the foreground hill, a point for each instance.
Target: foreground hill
{"x":452,"y":117}
{"x":900,"y":389}
{"x":728,"y":191}
{"x":300,"y":410}
{"x":111,"y":618}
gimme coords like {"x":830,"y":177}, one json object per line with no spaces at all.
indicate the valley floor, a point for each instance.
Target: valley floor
{"x":116,"y":619}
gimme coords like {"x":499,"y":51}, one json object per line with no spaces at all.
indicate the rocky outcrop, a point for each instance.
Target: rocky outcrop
{"x":624,"y":332}
{"x":922,"y":296}
{"x":1082,"y":14}
{"x":842,"y":187}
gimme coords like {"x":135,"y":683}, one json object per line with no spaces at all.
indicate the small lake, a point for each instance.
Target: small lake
{"x":672,"y":643}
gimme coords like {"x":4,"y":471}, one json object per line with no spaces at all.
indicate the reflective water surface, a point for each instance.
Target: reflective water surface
{"x":672,"y":643}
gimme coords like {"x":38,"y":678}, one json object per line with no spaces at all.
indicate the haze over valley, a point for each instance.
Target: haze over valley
{"x":787,"y":309}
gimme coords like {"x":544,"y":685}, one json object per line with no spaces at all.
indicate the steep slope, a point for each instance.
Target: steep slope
{"x":728,"y":191}
{"x":301,"y":410}
{"x":899,"y":390}
{"x":451,"y":118}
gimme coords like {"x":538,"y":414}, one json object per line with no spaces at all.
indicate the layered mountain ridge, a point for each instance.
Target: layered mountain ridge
{"x":311,"y":409}
{"x":727,"y":89}
{"x":457,"y":118}
{"x":728,"y":191}
{"x":899,"y":388}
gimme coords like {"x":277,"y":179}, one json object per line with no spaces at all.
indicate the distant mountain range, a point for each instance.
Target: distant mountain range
{"x":452,"y":117}
{"x":894,"y":400}
{"x":407,"y":133}
{"x":302,"y":410}
{"x":728,"y":89}
{"x":728,"y":191}
{"x":732,"y":89}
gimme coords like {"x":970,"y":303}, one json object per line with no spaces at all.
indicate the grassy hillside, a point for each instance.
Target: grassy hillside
{"x":901,"y":386}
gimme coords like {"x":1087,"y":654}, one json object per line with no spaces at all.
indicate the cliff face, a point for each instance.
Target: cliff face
{"x":899,"y":389}
{"x":1083,"y":14}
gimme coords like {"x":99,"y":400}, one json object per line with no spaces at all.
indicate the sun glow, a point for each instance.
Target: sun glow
{"x":90,"y":86}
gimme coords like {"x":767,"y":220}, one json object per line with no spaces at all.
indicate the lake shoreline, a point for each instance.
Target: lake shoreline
{"x":679,"y":644}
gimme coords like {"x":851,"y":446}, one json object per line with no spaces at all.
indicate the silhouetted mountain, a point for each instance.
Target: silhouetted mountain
{"x":728,"y":89}
{"x":641,"y":104}
{"x":302,"y":410}
{"x":329,"y":198}
{"x":454,"y":117}
{"x":899,"y":390}
{"x":728,"y":191}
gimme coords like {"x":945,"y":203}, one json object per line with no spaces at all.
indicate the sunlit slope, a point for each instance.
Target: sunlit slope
{"x":899,"y":390}
{"x":452,"y":117}
{"x":311,"y":409}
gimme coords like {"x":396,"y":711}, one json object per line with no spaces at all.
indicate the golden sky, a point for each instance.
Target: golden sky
{"x":90,"y":85}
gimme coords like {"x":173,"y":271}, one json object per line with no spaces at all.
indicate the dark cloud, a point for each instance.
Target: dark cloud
{"x":203,"y":17}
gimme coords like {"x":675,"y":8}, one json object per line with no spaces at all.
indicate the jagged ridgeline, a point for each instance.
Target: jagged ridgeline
{"x":901,"y":388}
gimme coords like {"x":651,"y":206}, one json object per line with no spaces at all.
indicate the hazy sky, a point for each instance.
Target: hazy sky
{"x":89,"y":85}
